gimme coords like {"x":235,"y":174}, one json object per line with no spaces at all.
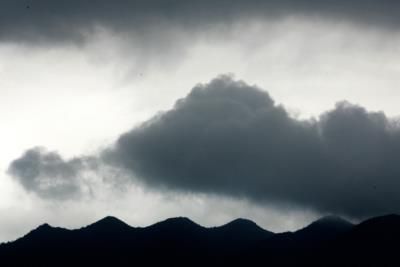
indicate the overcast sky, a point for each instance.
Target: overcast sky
{"x":277,"y":111}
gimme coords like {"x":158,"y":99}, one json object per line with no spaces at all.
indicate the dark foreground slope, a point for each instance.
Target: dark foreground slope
{"x":329,"y":241}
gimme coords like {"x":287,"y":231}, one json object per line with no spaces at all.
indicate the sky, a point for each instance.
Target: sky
{"x":276,"y":111}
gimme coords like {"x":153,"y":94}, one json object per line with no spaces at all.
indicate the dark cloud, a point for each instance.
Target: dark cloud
{"x":48,"y":174}
{"x":227,"y":137}
{"x":75,"y":20}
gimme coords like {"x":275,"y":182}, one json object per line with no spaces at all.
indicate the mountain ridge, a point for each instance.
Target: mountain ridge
{"x":179,"y":241}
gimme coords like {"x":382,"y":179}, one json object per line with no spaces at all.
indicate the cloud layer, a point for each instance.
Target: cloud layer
{"x":230,"y":138}
{"x":75,"y":20}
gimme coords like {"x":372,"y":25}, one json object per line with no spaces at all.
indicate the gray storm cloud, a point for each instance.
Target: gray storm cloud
{"x":47,"y":174}
{"x":227,"y":137}
{"x":75,"y":20}
{"x":230,"y":138}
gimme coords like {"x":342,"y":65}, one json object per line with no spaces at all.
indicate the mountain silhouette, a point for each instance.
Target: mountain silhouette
{"x":329,"y":241}
{"x":323,"y":230}
{"x":241,"y":229}
{"x":374,"y":242}
{"x":172,"y":226}
{"x":108,"y":222}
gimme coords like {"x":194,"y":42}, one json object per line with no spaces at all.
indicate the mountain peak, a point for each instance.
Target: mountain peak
{"x":45,"y":231}
{"x":242,"y":222}
{"x":108,"y":223}
{"x":110,"y":220}
{"x":177,"y":221}
{"x":44,"y":226}
{"x":331,"y":220}
{"x":324,"y":228}
{"x":243,"y":229}
{"x":176,"y":224}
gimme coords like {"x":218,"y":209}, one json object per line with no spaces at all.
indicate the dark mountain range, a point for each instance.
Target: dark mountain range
{"x":330,"y":241}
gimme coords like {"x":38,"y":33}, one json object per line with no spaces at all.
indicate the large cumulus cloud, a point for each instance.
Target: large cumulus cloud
{"x":227,"y":137}
{"x":75,"y":20}
{"x":230,"y":138}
